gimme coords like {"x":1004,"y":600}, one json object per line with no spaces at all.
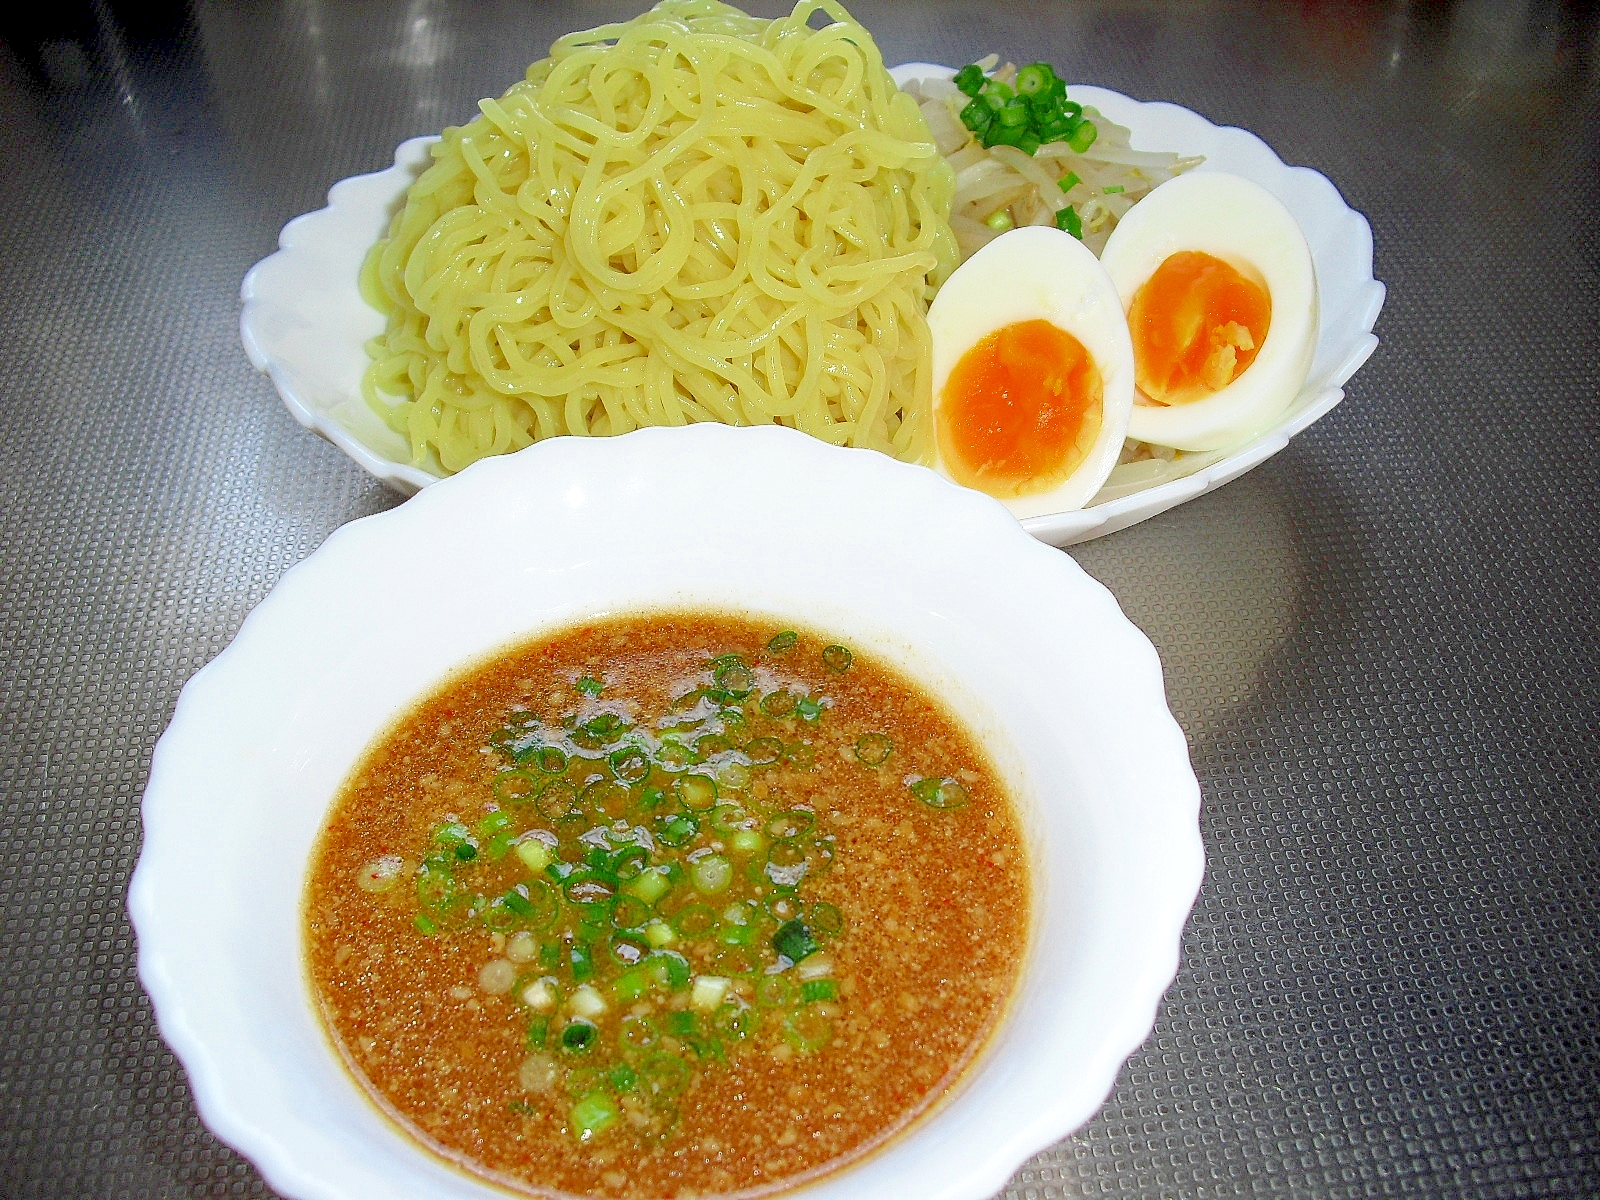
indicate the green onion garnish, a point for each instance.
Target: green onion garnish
{"x":999,"y":220}
{"x":1114,"y":189}
{"x":794,"y":941}
{"x":818,"y":989}
{"x":941,"y":793}
{"x":593,"y":1115}
{"x":1069,"y":181}
{"x":1034,"y":78}
{"x":969,"y":79}
{"x":514,"y":787}
{"x":589,"y":686}
{"x":579,"y":1035}
{"x":1067,"y":219}
{"x":1036,"y":112}
{"x":873,"y":749}
{"x":837,"y":658}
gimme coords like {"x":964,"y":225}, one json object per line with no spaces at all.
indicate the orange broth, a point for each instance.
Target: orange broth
{"x":771,"y":901}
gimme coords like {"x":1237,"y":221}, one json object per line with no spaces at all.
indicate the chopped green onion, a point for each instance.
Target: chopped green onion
{"x":825,"y":918}
{"x":794,"y":941}
{"x":736,"y":1019}
{"x":1035,"y":78}
{"x":1029,"y":144}
{"x":797,"y":822}
{"x":629,"y":912}
{"x":977,"y":115}
{"x":559,"y":802}
{"x":711,"y":874}
{"x":1083,"y":137}
{"x":1114,"y":189}
{"x":538,"y":1032}
{"x":999,"y":220}
{"x":589,"y":686}
{"x":666,"y":1074}
{"x":637,"y":1033}
{"x":630,"y":764}
{"x":676,"y":829}
{"x":579,"y":1035}
{"x":670,"y":968}
{"x":681,"y":1024}
{"x":778,"y":705}
{"x":746,"y":841}
{"x":941,"y":793}
{"x":552,"y":760}
{"x":711,"y":745}
{"x":623,"y":1078}
{"x":674,"y":757}
{"x":1013,"y":114}
{"x":493,"y":823}
{"x":873,"y":749}
{"x":774,"y":991}
{"x":837,"y":658}
{"x":969,"y":79}
{"x":630,"y":986}
{"x":425,"y":925}
{"x":436,"y":887}
{"x":582,"y":961}
{"x":807,"y":1029}
{"x":763,"y":751}
{"x":1069,"y":181}
{"x":515,"y":787}
{"x":659,"y":934}
{"x":593,"y":1115}
{"x":698,"y":793}
{"x":1067,"y":219}
{"x":500,"y":845}
{"x":735,"y":677}
{"x":648,"y":886}
{"x":782,"y":643}
{"x":808,"y":708}
{"x":694,"y":920}
{"x":818,"y":989}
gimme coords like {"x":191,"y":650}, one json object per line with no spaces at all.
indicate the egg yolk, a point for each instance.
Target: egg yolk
{"x":1021,"y":410}
{"x":1196,"y":324}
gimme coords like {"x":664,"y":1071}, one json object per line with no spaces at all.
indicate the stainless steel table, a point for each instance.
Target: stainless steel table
{"x":1382,"y":644}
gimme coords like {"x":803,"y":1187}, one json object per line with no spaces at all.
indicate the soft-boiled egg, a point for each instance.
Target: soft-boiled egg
{"x":1221,"y":297}
{"x":1032,"y":372}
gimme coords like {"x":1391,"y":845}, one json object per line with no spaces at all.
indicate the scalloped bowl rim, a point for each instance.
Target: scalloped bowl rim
{"x":1068,"y":693}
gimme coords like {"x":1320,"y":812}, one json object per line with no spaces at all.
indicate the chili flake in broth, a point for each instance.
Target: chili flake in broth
{"x":666,"y":905}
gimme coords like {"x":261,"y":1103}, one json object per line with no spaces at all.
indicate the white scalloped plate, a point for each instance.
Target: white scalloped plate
{"x":1065,"y":692}
{"x":304,"y":322}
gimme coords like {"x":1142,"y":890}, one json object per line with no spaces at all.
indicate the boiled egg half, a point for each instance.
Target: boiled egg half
{"x":1221,"y":298}
{"x":1032,"y":372}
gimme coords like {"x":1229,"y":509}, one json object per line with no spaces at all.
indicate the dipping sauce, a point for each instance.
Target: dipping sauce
{"x":668,"y":905}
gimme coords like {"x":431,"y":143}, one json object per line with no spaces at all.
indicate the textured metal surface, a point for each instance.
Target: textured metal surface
{"x":1382,"y":644}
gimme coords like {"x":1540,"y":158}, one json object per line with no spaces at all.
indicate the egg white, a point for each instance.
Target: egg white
{"x":1243,"y":224}
{"x":1037,"y":272}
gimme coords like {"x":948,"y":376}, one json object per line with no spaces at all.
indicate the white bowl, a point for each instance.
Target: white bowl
{"x":304,"y":323}
{"x":1034,"y":653}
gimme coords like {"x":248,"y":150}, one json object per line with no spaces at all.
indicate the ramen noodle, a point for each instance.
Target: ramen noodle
{"x":694,"y":215}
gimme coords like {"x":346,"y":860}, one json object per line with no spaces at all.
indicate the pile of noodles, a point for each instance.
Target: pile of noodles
{"x":695,"y":215}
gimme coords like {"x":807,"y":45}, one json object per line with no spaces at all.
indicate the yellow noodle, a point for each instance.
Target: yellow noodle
{"x":695,"y":215}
